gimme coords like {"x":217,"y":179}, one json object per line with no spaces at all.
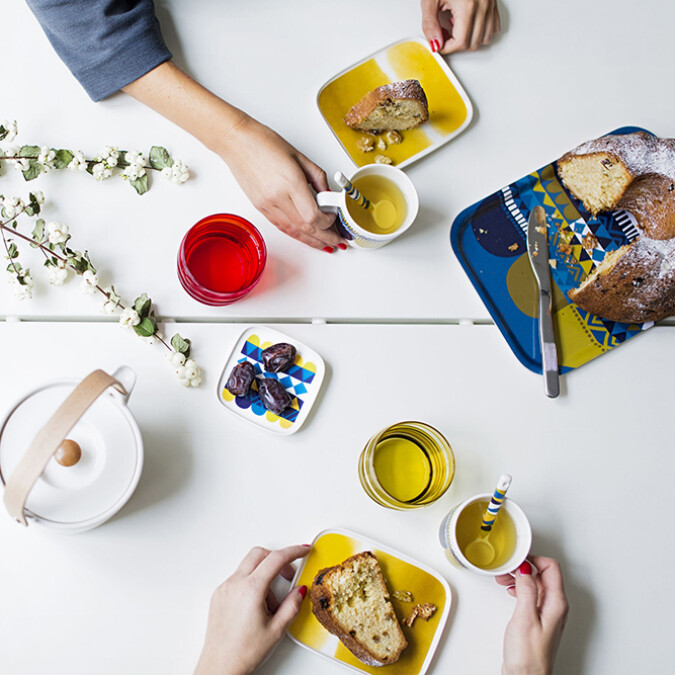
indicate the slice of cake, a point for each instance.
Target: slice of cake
{"x":351,"y":601}
{"x":634,"y":284}
{"x":398,"y":106}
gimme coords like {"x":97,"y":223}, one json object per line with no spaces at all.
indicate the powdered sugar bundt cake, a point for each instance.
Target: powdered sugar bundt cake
{"x":398,"y":106}
{"x":636,"y":173}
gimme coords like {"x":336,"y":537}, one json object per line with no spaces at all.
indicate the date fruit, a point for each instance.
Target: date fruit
{"x":273,"y":395}
{"x":278,"y":357}
{"x":241,"y":378}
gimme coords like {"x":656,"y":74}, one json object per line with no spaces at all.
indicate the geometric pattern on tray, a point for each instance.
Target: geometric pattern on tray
{"x":295,"y":380}
{"x":489,"y":239}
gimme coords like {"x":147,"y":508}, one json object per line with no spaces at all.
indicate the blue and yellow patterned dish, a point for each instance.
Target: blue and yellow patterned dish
{"x":489,"y":239}
{"x":302,"y":380}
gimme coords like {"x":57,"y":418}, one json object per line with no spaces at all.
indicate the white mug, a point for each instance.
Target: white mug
{"x":357,"y":236}
{"x":448,"y":536}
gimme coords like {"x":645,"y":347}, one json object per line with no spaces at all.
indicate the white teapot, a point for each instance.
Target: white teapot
{"x":84,"y":464}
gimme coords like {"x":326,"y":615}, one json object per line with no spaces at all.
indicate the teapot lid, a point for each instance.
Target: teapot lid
{"x":104,"y":476}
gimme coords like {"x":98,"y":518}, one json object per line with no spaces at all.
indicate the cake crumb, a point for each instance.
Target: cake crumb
{"x":424,"y":611}
{"x":513,"y":247}
{"x":382,"y":159}
{"x":589,"y":242}
{"x":381,"y":144}
{"x":403,"y":596}
{"x":553,"y":264}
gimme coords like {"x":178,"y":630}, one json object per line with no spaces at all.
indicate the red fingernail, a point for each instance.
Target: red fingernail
{"x":525,"y":568}
{"x":327,"y":249}
{"x":303,"y":591}
{"x":508,"y":588}
{"x":342,"y":247}
{"x":446,"y":34}
{"x":305,"y":545}
{"x":435,"y":46}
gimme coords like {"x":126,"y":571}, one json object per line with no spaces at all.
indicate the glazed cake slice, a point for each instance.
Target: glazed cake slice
{"x":351,"y":601}
{"x":398,"y":106}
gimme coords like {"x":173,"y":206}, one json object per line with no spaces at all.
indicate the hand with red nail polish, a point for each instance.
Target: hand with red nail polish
{"x":246,"y":621}
{"x":533,"y":635}
{"x":459,"y":25}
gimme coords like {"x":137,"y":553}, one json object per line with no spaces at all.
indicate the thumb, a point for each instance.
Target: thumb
{"x":431,"y":26}
{"x":526,"y":593}
{"x":288,"y":609}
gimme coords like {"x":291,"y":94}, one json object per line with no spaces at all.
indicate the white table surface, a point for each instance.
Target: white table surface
{"x":554,"y":78}
{"x":591,"y":469}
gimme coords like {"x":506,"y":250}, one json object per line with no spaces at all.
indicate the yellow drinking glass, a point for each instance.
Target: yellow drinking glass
{"x":406,"y":465}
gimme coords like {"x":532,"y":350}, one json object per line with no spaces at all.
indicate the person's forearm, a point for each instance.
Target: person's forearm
{"x":176,"y":96}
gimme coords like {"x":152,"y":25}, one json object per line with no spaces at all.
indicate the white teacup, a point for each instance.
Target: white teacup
{"x":454,"y":552}
{"x":357,"y":236}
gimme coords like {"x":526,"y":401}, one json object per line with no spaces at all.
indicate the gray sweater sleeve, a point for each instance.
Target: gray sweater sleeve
{"x":106,"y":43}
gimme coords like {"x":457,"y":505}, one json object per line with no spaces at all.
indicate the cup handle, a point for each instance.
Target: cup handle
{"x":50,"y":437}
{"x":329,"y":202}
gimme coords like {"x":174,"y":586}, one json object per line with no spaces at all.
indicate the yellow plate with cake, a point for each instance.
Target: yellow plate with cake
{"x":332,"y":547}
{"x":450,"y":110}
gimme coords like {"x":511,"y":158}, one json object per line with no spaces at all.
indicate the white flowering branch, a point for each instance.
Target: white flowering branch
{"x":52,"y":240}
{"x":131,"y":165}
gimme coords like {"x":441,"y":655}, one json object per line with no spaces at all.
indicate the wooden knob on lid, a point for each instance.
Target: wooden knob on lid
{"x":69,"y":453}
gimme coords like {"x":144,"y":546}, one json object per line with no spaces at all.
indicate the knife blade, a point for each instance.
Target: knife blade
{"x":537,"y":252}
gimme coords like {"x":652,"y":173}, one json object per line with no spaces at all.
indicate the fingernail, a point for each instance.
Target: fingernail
{"x":434,"y":44}
{"x":342,"y":247}
{"x":306,"y":545}
{"x":327,"y":249}
{"x":302,"y":590}
{"x":525,"y":568}
{"x":508,"y":588}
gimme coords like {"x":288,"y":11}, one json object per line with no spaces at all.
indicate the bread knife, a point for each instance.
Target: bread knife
{"x":537,"y":252}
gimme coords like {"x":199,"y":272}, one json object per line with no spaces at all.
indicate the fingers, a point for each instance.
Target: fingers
{"x":526,"y":594}
{"x":315,"y":175}
{"x":252,"y":559}
{"x":555,"y":606}
{"x":276,"y":561}
{"x":288,"y":610}
{"x":431,"y":26}
{"x":287,"y":572}
{"x":462,"y":29}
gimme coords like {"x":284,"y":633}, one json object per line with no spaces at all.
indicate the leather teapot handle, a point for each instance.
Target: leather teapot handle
{"x":48,"y":440}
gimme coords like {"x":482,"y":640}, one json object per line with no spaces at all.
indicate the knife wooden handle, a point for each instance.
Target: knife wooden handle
{"x":549,"y":352}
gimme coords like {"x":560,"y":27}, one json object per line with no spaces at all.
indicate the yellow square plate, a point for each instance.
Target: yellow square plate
{"x":450,"y":110}
{"x":332,"y":547}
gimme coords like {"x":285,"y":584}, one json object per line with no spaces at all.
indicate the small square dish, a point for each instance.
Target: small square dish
{"x":332,"y":547}
{"x":302,"y":380}
{"x":450,"y":110}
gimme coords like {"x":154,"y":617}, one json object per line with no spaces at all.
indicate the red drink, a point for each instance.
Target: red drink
{"x":221,"y":259}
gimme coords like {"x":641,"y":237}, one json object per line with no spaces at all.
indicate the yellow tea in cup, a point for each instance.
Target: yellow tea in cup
{"x":406,"y":466}
{"x":502,"y":536}
{"x":387,"y":205}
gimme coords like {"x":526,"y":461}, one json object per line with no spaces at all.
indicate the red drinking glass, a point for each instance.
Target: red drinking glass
{"x":221,"y":259}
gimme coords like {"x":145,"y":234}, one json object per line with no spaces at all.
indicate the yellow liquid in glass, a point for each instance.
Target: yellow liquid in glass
{"x":502,"y":536}
{"x":388,"y":207}
{"x":402,"y":467}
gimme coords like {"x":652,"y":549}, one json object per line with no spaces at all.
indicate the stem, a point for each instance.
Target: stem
{"x":47,"y":253}
{"x":11,"y":260}
{"x":120,"y":163}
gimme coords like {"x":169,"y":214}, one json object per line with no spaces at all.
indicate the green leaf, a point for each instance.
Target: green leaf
{"x":63,"y":158}
{"x":181,"y":345}
{"x":140,"y":184}
{"x":33,"y":170}
{"x":159,"y":158}
{"x":13,"y":251}
{"x":38,"y":232}
{"x":3,"y":133}
{"x":29,"y":151}
{"x":147,"y":327}
{"x":142,"y":305}
{"x":90,"y":168}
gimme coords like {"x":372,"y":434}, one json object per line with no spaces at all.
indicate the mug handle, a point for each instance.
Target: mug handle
{"x":328,"y":201}
{"x":48,"y":440}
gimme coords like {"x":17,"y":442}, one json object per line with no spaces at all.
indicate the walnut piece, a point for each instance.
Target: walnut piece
{"x":403,"y":596}
{"x":589,"y":242}
{"x":513,"y":247}
{"x":366,"y":143}
{"x":382,"y":159}
{"x":381,"y":144}
{"x":392,"y":137}
{"x":424,"y":611}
